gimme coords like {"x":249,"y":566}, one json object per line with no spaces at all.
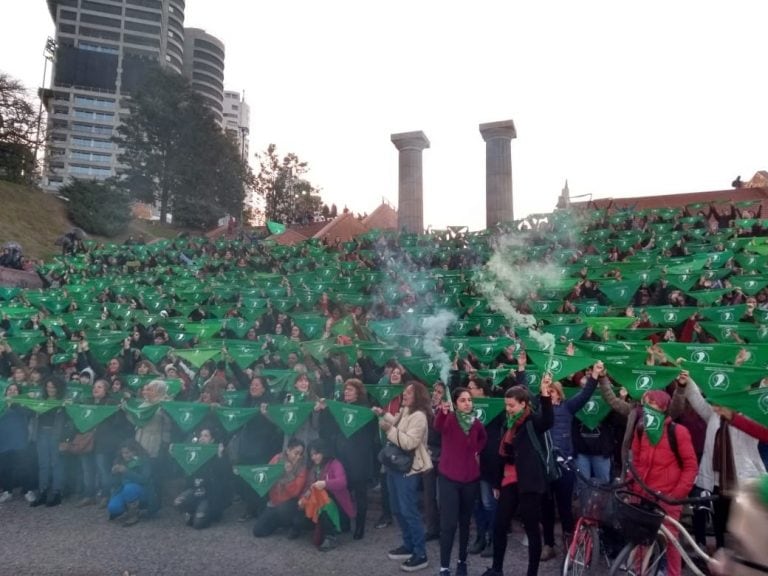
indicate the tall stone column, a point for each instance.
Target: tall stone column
{"x":498,"y":171}
{"x":410,"y":204}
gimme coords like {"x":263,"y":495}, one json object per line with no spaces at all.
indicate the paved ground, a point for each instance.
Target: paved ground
{"x":67,"y":541}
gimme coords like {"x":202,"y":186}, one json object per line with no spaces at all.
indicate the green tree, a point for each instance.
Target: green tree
{"x":288,"y":197}
{"x":18,"y":131}
{"x":174,"y":154}
{"x":97,"y":207}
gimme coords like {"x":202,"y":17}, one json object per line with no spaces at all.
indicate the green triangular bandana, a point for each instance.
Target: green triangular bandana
{"x":290,"y":417}
{"x":753,"y":404}
{"x":639,"y":380}
{"x":486,"y":409}
{"x":197,"y":356}
{"x":715,"y":380}
{"x":233,"y":398}
{"x":261,"y":478}
{"x":384,"y":393}
{"x":139,"y":413}
{"x":86,"y":417}
{"x":233,"y":418}
{"x":192,"y":456}
{"x":559,"y":365}
{"x":594,"y":411}
{"x":349,"y":417}
{"x":37,"y":406}
{"x":187,"y":415}
{"x":653,"y":422}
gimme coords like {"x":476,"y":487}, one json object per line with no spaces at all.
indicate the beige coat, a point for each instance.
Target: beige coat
{"x":409,"y":432}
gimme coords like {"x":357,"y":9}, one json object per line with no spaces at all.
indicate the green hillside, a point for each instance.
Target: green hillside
{"x":35,"y":219}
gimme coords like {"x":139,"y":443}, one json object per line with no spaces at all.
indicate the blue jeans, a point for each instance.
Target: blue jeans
{"x":88,"y":467}
{"x":51,"y":474}
{"x":485,"y":509}
{"x":127,"y":494}
{"x":597,"y":467}
{"x":403,"y":499}
{"x":104,"y":479}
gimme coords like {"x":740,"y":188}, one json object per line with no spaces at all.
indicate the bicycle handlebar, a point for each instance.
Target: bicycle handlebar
{"x":569,"y":464}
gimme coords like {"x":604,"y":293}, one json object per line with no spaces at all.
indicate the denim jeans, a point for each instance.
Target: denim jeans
{"x":88,"y":468}
{"x":597,"y":467}
{"x":485,"y":509}
{"x":51,"y":474}
{"x":403,"y":500}
{"x":104,"y":479}
{"x":127,"y":494}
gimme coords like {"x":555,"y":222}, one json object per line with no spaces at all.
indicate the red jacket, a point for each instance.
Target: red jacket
{"x":657,"y":465}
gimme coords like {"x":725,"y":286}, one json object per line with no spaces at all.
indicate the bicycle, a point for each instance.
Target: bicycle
{"x":644,"y":524}
{"x":596,"y":514}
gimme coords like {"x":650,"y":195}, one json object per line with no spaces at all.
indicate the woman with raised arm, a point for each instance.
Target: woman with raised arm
{"x":521,"y":477}
{"x":463,"y":438}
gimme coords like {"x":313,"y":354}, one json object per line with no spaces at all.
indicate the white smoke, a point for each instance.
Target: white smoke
{"x":435,"y":327}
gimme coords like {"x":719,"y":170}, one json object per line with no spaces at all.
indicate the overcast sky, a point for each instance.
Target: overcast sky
{"x":620,"y":98}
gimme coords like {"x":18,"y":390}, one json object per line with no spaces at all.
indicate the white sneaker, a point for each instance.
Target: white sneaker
{"x":30,"y":496}
{"x":5,"y":496}
{"x":524,"y":540}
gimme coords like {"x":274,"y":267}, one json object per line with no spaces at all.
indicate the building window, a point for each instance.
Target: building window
{"x":91,"y":143}
{"x":95,"y":102}
{"x":90,"y":156}
{"x":141,"y":40}
{"x":98,"y":48}
{"x":91,"y":115}
{"x":90,"y":171}
{"x":99,"y":7}
{"x":91,"y":129}
{"x":204,"y":44}
{"x":100,"y":20}
{"x":139,"y":27}
{"x":96,"y":33}
{"x":67,"y":15}
{"x":143,"y":15}
{"x":67,"y":28}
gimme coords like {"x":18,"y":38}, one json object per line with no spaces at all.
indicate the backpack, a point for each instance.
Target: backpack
{"x":546,"y":453}
{"x":671,"y":435}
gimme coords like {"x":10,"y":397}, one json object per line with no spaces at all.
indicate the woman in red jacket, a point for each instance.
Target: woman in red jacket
{"x":463,"y":438}
{"x":657,"y":464}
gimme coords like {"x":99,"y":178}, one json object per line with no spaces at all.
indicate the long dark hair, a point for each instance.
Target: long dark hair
{"x":61,"y":387}
{"x":422,"y":401}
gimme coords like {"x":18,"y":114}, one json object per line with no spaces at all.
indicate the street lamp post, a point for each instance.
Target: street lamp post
{"x":49,"y":53}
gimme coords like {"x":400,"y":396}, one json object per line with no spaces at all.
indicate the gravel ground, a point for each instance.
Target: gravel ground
{"x":81,"y":542}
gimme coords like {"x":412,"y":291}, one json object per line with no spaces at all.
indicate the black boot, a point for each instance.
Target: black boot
{"x":41,"y":499}
{"x":54,"y":499}
{"x":359,"y":531}
{"x":478,"y":545}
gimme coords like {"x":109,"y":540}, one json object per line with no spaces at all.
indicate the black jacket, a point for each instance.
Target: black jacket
{"x":531,"y":476}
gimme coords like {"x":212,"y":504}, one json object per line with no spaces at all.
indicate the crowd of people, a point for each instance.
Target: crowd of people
{"x":293,"y":383}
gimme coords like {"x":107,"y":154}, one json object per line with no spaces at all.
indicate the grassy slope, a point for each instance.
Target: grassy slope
{"x":35,"y":219}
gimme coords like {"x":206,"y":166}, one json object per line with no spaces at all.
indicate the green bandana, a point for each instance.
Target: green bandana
{"x":465,"y":419}
{"x":653,"y":420}
{"x":513,"y":418}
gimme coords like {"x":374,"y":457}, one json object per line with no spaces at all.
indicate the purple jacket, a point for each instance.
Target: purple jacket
{"x":459,"y":455}
{"x":336,"y":483}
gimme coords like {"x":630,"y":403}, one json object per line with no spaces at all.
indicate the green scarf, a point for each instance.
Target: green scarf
{"x":465,"y":419}
{"x":513,"y":418}
{"x":653,"y":422}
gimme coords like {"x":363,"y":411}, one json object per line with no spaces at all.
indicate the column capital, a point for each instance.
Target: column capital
{"x":410,"y":140}
{"x":502,"y":129}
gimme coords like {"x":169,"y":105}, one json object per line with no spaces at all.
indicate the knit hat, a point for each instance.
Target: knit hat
{"x":658,"y":397}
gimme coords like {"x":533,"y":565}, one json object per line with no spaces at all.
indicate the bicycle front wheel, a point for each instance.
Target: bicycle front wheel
{"x":636,"y":560}
{"x":578,"y":558}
